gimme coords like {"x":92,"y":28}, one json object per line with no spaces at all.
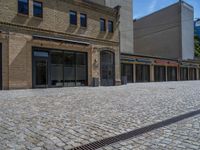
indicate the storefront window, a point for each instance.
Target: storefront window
{"x":69,"y":69}
{"x":57,"y":69}
{"x":172,"y":73}
{"x":81,"y":68}
{"x":159,"y":73}
{"x":62,"y":68}
{"x":184,"y":73}
{"x":192,"y":73}
{"x":142,"y":73}
{"x":127,"y":71}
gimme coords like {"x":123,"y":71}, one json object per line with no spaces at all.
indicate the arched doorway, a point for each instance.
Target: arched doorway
{"x":107,"y":68}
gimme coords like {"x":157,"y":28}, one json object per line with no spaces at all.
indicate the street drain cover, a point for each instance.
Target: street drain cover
{"x":134,"y":133}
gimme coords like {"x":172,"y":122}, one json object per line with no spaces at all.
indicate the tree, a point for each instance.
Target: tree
{"x":197,"y":46}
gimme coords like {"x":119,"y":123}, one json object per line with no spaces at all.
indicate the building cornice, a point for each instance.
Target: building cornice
{"x":70,"y":36}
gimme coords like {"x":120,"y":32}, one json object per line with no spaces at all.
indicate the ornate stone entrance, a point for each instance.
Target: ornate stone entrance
{"x":107,"y":68}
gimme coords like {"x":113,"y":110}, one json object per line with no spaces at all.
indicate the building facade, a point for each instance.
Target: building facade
{"x":63,"y":43}
{"x":167,"y":33}
{"x":58,"y":43}
{"x":126,"y":22}
{"x":141,"y":68}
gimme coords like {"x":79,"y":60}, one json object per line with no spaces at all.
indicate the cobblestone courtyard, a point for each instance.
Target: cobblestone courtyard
{"x":65,"y":118}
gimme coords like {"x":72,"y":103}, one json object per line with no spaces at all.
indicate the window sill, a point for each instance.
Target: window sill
{"x":23,"y":15}
{"x":103,"y":32}
{"x":73,"y":25}
{"x":84,"y":28}
{"x":38,"y":18}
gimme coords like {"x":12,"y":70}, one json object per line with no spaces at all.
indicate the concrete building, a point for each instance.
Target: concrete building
{"x":126,"y":22}
{"x":58,"y":43}
{"x":166,"y":33}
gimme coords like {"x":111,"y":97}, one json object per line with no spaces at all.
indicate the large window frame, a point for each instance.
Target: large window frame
{"x":75,"y":65}
{"x":22,"y":6}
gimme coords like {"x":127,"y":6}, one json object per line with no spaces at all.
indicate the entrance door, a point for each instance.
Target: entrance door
{"x":107,"y":68}
{"x":184,"y":73}
{"x":0,"y":66}
{"x":159,"y":73}
{"x":192,"y":73}
{"x":142,"y":73}
{"x":127,"y":71}
{"x":171,"y":74}
{"x":40,"y":72}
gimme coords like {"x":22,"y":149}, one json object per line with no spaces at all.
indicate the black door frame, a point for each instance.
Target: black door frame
{"x":113,"y":68}
{"x":1,"y":76}
{"x":34,"y":72}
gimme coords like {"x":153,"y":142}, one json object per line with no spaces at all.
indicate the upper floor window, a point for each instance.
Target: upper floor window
{"x":83,"y":20}
{"x":23,"y":7}
{"x":73,"y":17}
{"x":37,"y":9}
{"x":110,"y":26}
{"x":102,"y":24}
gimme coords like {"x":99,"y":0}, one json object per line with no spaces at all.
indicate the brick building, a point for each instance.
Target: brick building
{"x":58,"y":43}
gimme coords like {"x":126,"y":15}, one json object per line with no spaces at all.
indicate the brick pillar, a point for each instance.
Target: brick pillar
{"x":166,"y":73}
{"x":151,"y":73}
{"x":178,"y":73}
{"x":134,"y":73}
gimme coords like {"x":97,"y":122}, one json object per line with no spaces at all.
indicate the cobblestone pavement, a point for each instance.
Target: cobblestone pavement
{"x":64,"y":118}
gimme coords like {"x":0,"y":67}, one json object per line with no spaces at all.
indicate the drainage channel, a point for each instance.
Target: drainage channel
{"x":137,"y":132}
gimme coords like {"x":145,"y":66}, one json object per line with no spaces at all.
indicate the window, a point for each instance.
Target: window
{"x":23,"y":7}
{"x":37,"y":9}
{"x":56,"y":69}
{"x":41,"y":54}
{"x":83,"y":20}
{"x":110,"y":26}
{"x":73,"y":18}
{"x":102,"y":25}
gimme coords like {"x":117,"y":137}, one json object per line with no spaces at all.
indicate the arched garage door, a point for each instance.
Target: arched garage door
{"x":107,"y":68}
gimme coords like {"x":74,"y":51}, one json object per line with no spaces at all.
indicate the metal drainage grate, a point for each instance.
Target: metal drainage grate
{"x":134,"y":133}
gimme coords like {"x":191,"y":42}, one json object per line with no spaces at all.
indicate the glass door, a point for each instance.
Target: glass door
{"x":40,"y":72}
{"x":127,"y":71}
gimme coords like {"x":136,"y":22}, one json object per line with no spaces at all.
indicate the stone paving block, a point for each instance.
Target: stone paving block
{"x":69,"y":117}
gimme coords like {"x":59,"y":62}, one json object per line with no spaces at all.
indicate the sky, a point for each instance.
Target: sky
{"x":144,"y":7}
